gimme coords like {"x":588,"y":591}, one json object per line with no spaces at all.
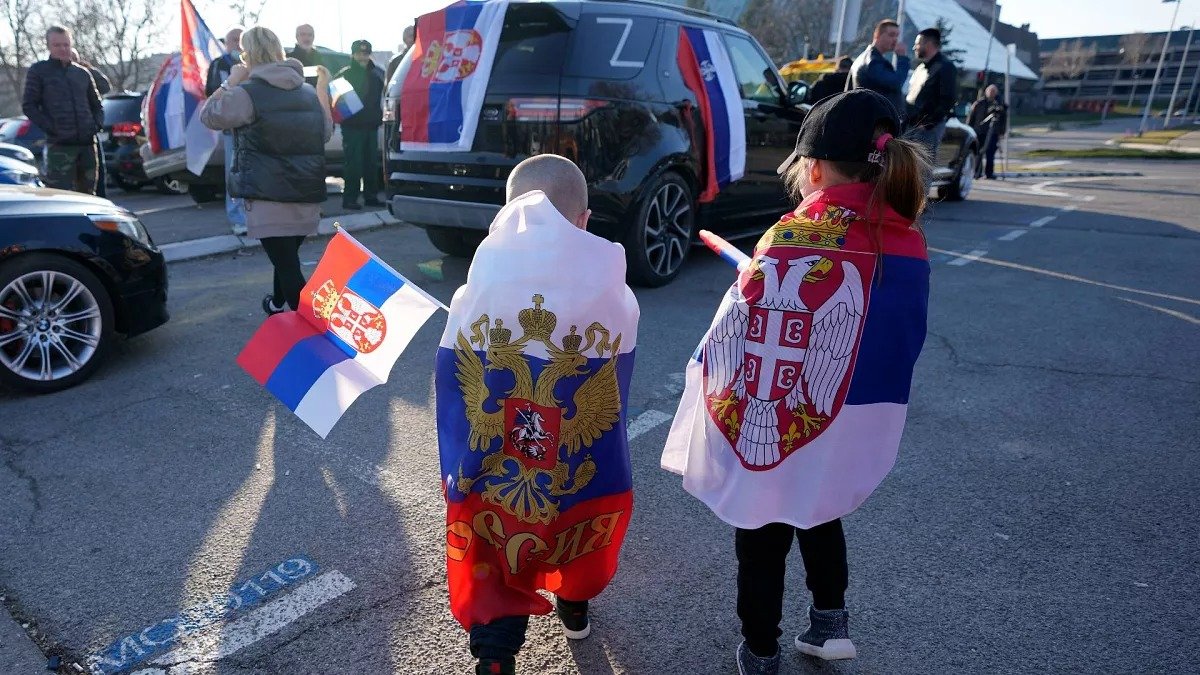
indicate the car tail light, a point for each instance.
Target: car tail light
{"x":126,"y":130}
{"x":24,"y":128}
{"x":551,"y":109}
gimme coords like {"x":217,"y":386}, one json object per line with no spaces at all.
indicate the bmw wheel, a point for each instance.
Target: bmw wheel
{"x":958,"y":189}
{"x":170,"y":186}
{"x":56,"y":322}
{"x":658,"y":242}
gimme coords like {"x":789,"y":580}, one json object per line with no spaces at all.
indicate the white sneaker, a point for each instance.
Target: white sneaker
{"x":239,"y":230}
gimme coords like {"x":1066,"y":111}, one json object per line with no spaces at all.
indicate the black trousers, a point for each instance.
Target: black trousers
{"x":502,"y":639}
{"x":762,"y":558}
{"x":284,"y":253}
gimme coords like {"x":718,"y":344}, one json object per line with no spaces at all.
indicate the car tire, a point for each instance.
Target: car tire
{"x":665,"y":227}
{"x":126,"y":185}
{"x":203,"y":194}
{"x":171,"y":186}
{"x":34,"y":339}
{"x":958,"y":189}
{"x":454,"y":242}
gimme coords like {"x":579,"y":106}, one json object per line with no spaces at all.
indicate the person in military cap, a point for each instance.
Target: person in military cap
{"x":360,"y":132}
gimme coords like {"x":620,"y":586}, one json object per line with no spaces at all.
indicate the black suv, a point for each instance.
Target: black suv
{"x":599,"y":82}
{"x":120,"y":139}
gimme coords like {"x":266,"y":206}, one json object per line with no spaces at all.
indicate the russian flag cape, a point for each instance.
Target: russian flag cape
{"x":796,"y":398}
{"x":532,"y":385}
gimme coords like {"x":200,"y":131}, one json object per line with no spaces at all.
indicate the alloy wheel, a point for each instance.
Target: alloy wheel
{"x":668,"y":230}
{"x":966,"y":175}
{"x":50,"y":325}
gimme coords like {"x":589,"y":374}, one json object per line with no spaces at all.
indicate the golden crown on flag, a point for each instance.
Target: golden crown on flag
{"x":572,"y":342}
{"x":499,"y":335}
{"x":537,"y":322}
{"x":828,"y":230}
{"x":325,"y":300}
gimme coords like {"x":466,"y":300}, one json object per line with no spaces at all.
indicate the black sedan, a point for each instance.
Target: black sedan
{"x":75,"y":270}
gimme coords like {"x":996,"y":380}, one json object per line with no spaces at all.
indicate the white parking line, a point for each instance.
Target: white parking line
{"x":968,"y":258}
{"x":1012,"y":235}
{"x":1042,"y":221}
{"x":647,"y":421}
{"x":227,"y":639}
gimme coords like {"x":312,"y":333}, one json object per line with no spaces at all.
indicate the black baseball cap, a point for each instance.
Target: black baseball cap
{"x":360,"y":46}
{"x":841,"y":128}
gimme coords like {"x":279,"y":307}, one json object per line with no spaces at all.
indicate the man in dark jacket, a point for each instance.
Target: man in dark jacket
{"x":304,"y":51}
{"x":361,"y":167}
{"x":408,"y":38}
{"x":831,"y":83}
{"x":218,"y":73}
{"x":989,"y":119}
{"x":60,"y":98}
{"x":872,"y":70}
{"x":932,"y":92}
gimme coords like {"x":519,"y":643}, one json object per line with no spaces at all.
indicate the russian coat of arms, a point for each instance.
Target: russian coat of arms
{"x":530,"y":469}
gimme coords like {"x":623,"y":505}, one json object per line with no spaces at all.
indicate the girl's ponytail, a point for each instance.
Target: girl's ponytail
{"x":903,"y":181}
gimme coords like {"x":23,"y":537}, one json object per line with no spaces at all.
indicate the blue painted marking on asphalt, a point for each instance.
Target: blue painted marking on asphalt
{"x":164,"y":635}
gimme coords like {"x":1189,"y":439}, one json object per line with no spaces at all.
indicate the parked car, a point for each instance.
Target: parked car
{"x":17,"y":152}
{"x":599,"y":82}
{"x":75,"y":270}
{"x":119,"y":140}
{"x":17,"y":172}
{"x":21,"y":131}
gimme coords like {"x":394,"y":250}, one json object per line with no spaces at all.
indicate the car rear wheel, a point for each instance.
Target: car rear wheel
{"x":171,"y":186}
{"x":453,"y":242}
{"x":126,"y":185}
{"x":658,"y":243}
{"x":959,"y":188}
{"x":56,"y":322}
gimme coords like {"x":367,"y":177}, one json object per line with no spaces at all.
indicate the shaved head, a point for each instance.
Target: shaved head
{"x":558,"y":177}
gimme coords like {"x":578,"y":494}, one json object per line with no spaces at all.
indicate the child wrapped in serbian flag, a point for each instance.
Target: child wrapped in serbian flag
{"x":532,"y":385}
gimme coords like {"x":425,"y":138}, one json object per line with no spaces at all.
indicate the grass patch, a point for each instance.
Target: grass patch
{"x":1161,"y":137}
{"x":1112,"y":153}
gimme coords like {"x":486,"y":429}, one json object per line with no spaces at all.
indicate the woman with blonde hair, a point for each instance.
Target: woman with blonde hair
{"x":280,"y":126}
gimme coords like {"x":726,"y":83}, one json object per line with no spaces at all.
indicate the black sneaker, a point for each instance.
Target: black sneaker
{"x":750,"y":663}
{"x":574,"y":617}
{"x":496,"y":666}
{"x":268,"y":305}
{"x":828,"y":635}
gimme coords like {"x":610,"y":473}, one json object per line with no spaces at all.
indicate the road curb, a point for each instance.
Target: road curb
{"x":228,"y":243}
{"x":1065,"y":174}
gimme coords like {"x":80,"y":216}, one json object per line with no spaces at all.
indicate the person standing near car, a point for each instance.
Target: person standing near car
{"x":60,"y":97}
{"x":932,"y":92}
{"x":831,"y":83}
{"x":279,"y":127}
{"x":304,"y":51}
{"x":218,"y":72}
{"x":989,"y":119}
{"x":406,"y":43}
{"x":103,"y":86}
{"x":360,"y":143}
{"x":872,"y":70}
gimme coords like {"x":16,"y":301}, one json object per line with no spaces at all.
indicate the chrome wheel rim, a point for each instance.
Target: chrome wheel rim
{"x":668,"y":230}
{"x":966,"y":177}
{"x":50,"y":325}
{"x":176,"y":186}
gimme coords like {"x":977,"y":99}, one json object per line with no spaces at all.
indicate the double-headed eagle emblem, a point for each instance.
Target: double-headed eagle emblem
{"x":527,"y":474}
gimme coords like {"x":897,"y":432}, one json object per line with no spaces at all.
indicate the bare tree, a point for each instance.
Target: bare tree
{"x":23,"y":20}
{"x":1137,"y":49}
{"x":781,"y":26}
{"x":116,"y":36}
{"x":247,"y":11}
{"x":1070,"y":60}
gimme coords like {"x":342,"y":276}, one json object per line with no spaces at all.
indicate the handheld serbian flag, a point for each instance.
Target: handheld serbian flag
{"x":532,"y":386}
{"x":199,"y":49}
{"x":796,"y":398}
{"x":168,"y":107}
{"x":356,"y":316}
{"x":708,"y":73}
{"x":346,"y":102}
{"x":442,"y":95}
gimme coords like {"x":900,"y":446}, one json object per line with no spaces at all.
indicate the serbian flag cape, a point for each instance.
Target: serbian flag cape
{"x":200,"y":48}
{"x":442,"y":95}
{"x":345,"y":100}
{"x":796,"y":398}
{"x":532,"y":385}
{"x":356,"y":316}
{"x":708,"y":72}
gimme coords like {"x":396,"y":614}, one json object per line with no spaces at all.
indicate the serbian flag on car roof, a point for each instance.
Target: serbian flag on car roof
{"x":532,"y":388}
{"x":345,"y":100}
{"x":442,"y":94}
{"x":796,"y":398}
{"x":708,"y":72}
{"x":356,"y":317}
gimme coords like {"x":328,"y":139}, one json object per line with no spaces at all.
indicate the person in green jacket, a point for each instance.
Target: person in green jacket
{"x":362,"y":169}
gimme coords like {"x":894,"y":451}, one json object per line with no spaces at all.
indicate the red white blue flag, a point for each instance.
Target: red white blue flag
{"x":707,"y":71}
{"x":356,"y":316}
{"x":443,"y":93}
{"x":200,"y":48}
{"x":345,"y":100}
{"x":169,"y":107}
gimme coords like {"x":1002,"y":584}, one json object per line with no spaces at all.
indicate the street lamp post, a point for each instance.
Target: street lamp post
{"x":837,"y":51}
{"x":1178,"y":77}
{"x":1158,"y":71}
{"x":987,"y":59}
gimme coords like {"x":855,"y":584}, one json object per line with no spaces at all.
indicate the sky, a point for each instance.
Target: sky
{"x":1072,"y":18}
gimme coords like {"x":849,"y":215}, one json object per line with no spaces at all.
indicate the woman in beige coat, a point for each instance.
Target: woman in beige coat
{"x":280,"y":126}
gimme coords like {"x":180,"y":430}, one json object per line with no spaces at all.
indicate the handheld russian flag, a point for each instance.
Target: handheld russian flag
{"x":728,"y":252}
{"x":708,"y":72}
{"x":346,"y":102}
{"x":356,"y":316}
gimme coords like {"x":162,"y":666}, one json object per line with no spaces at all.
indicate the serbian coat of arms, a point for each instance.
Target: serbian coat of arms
{"x":778,"y":359}
{"x":352,"y":319}
{"x":454,"y":58}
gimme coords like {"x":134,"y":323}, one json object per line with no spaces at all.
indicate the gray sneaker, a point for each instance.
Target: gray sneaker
{"x":749,"y":664}
{"x":828,"y":635}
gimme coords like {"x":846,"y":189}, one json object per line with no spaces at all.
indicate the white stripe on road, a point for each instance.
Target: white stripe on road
{"x":968,"y":258}
{"x":227,"y":639}
{"x":647,"y":421}
{"x":1012,"y":235}
{"x":1069,"y":208}
{"x":1042,"y":165}
{"x":1042,"y":221}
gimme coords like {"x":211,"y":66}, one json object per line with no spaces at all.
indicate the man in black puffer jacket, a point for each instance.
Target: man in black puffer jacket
{"x":61,"y":98}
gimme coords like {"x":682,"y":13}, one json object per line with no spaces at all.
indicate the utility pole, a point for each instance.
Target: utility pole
{"x":1192,"y":92}
{"x":837,"y":51}
{"x":900,"y":21}
{"x":987,"y":59}
{"x":1178,"y":76}
{"x":1158,"y":71}
{"x":1009,"y":52}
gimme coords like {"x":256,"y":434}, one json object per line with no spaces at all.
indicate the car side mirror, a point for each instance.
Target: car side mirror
{"x":797,"y":92}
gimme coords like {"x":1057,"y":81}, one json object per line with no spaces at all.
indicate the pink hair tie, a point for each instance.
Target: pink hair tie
{"x":881,"y":142}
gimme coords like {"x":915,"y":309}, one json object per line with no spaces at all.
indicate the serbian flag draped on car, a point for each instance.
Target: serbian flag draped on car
{"x":708,"y":73}
{"x":796,"y":398}
{"x":532,"y":386}
{"x":356,"y":317}
{"x":442,"y":94}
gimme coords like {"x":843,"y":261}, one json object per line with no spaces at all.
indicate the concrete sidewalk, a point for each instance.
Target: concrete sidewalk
{"x":18,"y":654}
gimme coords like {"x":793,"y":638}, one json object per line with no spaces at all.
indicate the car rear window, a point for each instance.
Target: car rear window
{"x":122,"y":109}
{"x":611,"y":46}
{"x":533,"y":44}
